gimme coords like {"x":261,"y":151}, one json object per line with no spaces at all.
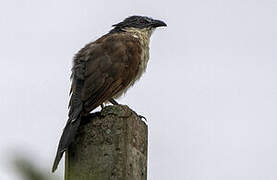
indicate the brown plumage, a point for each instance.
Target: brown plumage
{"x":111,"y":63}
{"x":105,"y":69}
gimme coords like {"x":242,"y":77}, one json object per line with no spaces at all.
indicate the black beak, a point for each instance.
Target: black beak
{"x":157,"y":23}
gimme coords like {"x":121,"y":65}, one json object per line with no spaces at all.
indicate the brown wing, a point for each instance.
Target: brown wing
{"x":102,"y":69}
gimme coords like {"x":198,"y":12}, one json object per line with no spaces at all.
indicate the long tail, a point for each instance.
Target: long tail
{"x":67,"y":138}
{"x":73,"y":122}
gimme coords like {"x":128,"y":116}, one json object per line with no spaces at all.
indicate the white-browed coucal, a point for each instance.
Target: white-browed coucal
{"x":104,"y":69}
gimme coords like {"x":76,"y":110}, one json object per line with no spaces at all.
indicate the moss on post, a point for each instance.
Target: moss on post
{"x":110,"y":145}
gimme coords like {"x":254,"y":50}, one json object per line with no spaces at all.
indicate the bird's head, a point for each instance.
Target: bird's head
{"x":140,"y":23}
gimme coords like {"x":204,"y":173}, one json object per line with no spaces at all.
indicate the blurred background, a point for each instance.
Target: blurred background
{"x":209,"y":93}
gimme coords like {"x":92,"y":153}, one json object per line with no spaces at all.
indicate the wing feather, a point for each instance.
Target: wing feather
{"x":106,"y":67}
{"x":100,"y":71}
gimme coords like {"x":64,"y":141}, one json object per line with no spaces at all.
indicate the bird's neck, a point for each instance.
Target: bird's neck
{"x":143,"y":35}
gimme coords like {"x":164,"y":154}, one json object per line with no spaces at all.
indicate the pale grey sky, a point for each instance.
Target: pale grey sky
{"x":210,"y":92}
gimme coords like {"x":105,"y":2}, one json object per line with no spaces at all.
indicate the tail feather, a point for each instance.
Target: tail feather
{"x":67,"y":138}
{"x":73,"y":122}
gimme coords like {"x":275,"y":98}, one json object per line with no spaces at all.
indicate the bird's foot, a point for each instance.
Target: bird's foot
{"x":116,"y":103}
{"x":118,"y":111}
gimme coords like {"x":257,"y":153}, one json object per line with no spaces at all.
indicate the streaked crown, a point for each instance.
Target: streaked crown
{"x":140,"y":22}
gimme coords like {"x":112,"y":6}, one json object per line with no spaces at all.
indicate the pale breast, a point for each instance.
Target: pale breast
{"x":141,"y":70}
{"x":144,"y":38}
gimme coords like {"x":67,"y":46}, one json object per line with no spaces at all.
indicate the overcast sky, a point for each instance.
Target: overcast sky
{"x":209,"y":93}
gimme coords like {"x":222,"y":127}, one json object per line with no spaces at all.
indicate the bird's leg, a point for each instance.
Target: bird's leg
{"x":116,"y":103}
{"x":113,"y":101}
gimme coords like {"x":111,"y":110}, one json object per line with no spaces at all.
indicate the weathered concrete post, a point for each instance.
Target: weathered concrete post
{"x":110,"y":145}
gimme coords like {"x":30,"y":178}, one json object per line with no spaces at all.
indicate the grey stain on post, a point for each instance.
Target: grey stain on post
{"x":110,"y":145}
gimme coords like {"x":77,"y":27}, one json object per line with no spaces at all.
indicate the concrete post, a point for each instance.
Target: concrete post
{"x":110,"y":145}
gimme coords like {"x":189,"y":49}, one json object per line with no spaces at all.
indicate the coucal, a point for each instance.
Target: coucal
{"x":104,"y":69}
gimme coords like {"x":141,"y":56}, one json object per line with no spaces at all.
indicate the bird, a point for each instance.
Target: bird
{"x":105,"y":69}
